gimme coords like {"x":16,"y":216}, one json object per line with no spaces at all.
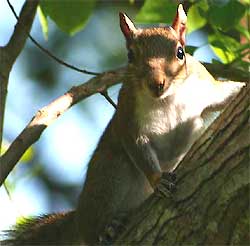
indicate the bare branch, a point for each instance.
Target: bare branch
{"x":3,"y":93}
{"x":10,"y":52}
{"x":107,"y":97}
{"x":48,"y":53}
{"x":22,"y":29}
{"x":45,"y":116}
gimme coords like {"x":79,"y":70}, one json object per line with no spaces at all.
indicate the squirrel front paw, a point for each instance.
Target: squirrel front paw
{"x":113,"y":229}
{"x":166,"y":187}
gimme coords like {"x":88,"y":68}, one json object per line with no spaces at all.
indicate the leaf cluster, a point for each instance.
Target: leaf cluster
{"x":225,"y":22}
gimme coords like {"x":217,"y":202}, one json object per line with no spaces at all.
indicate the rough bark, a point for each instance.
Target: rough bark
{"x":211,"y":204}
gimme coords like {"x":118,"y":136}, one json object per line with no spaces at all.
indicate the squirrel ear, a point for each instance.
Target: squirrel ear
{"x":127,"y":26}
{"x":179,"y":24}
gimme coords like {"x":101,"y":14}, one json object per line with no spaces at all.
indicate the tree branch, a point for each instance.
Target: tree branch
{"x":48,"y":53}
{"x":45,"y":116}
{"x":10,"y":52}
{"x":211,"y":203}
{"x":22,"y":29}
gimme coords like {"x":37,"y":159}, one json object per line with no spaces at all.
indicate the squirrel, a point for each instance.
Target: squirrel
{"x":159,"y":116}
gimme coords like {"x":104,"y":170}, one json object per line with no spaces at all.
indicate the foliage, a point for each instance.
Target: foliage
{"x":156,"y":11}
{"x":27,"y":156}
{"x":223,"y":21}
{"x":70,"y":16}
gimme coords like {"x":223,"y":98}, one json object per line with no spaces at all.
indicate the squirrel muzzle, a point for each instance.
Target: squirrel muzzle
{"x":158,"y":82}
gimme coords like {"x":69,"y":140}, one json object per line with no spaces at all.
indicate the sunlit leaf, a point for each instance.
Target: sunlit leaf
{"x":243,"y":31}
{"x":157,"y":11}
{"x":43,"y":22}
{"x":195,"y":19}
{"x":245,"y":1}
{"x":10,"y":186}
{"x":27,"y":156}
{"x":21,"y":221}
{"x":70,"y":16}
{"x":225,"y":47}
{"x":4,"y":147}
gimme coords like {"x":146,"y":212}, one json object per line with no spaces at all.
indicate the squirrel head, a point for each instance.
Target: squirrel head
{"x":156,"y":55}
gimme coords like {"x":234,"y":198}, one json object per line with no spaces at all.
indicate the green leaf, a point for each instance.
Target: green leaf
{"x":157,"y":11}
{"x":214,"y":61}
{"x":226,"y":16}
{"x":225,"y":47}
{"x":69,"y":16}
{"x":243,"y":65}
{"x":27,"y":156}
{"x":43,"y":22}
{"x":10,"y":185}
{"x":246,"y":1}
{"x":4,"y":147}
{"x":195,"y":19}
{"x":243,"y":31}
{"x":190,"y":49}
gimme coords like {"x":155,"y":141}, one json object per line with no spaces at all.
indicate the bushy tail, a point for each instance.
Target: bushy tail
{"x":53,"y":229}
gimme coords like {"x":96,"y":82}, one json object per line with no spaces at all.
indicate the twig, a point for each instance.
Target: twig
{"x":47,"y":52}
{"x":45,"y":116}
{"x":106,"y":95}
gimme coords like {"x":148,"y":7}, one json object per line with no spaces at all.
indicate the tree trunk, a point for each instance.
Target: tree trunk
{"x":211,"y":203}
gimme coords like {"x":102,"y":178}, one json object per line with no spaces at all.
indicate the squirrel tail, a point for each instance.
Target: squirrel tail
{"x":53,"y":229}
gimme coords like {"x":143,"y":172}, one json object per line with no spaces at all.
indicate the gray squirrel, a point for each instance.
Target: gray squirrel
{"x":158,"y":118}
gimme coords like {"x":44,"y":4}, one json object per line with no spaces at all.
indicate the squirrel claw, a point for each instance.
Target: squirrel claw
{"x":166,"y":186}
{"x":170,"y":176}
{"x":112,"y":230}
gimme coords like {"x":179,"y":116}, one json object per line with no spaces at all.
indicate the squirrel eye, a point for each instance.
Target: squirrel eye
{"x":180,"y":53}
{"x":130,"y":56}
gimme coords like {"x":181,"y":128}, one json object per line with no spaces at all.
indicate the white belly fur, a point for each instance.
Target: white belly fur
{"x":171,"y":124}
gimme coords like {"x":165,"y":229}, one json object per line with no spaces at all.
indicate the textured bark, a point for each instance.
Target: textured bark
{"x":211,"y":204}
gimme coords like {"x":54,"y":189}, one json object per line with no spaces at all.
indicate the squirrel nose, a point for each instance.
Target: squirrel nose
{"x":161,"y":86}
{"x":157,"y":87}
